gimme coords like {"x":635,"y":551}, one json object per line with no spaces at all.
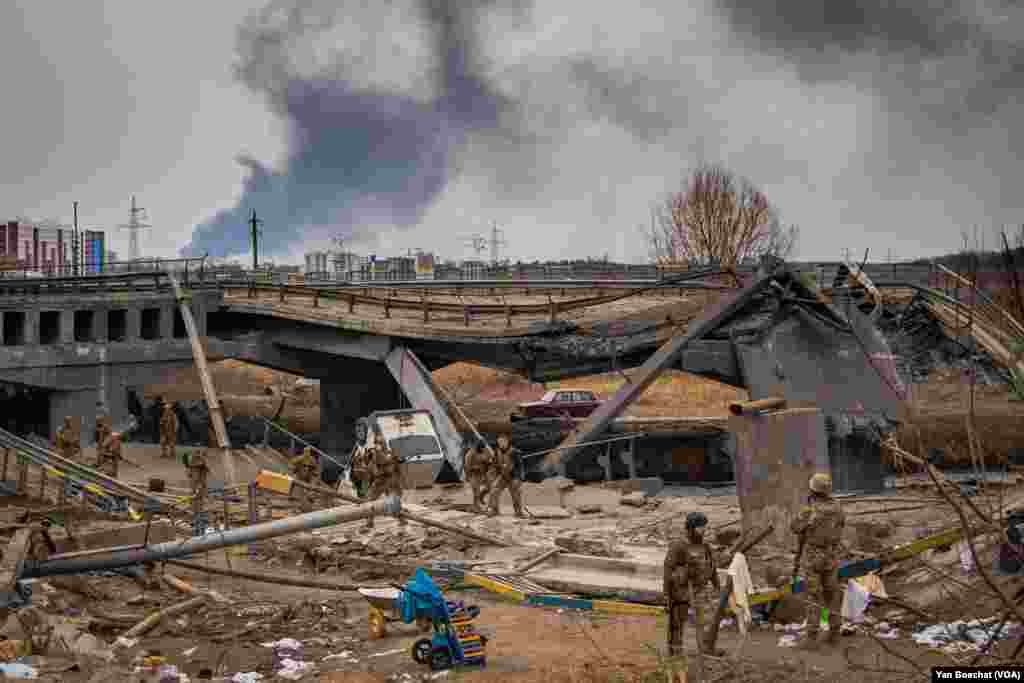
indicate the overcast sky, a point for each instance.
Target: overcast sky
{"x":410,"y":124}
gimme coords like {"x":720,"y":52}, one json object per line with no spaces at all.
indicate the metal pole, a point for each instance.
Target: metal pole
{"x":57,"y":565}
{"x":74,"y":243}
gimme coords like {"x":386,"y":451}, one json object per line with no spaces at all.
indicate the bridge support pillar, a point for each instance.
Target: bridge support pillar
{"x":67,"y":327}
{"x":167,"y":321}
{"x":133,"y":324}
{"x":365,"y":387}
{"x":31,"y":336}
{"x":100,"y":326}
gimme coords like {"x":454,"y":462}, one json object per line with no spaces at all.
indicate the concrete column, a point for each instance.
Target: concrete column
{"x":133,"y":324}
{"x":31,"y":335}
{"x":198,"y":307}
{"x":167,"y":321}
{"x":67,"y":327}
{"x":100,"y":327}
{"x":355,"y":389}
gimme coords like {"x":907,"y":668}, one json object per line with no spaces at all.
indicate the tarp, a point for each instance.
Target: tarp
{"x":421,"y":598}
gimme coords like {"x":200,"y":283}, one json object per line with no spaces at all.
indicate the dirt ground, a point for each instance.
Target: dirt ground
{"x":528,"y":643}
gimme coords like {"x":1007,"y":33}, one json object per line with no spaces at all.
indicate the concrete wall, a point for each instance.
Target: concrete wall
{"x":776,"y":455}
{"x":82,"y":375}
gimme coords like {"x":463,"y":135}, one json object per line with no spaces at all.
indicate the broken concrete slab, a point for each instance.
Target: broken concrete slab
{"x":651,"y":486}
{"x":601,"y":575}
{"x":549,"y":512}
{"x":637,"y":499}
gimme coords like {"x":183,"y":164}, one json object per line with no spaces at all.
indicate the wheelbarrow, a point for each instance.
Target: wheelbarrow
{"x":384,"y":607}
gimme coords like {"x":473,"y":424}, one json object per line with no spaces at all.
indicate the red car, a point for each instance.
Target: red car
{"x":559,"y":403}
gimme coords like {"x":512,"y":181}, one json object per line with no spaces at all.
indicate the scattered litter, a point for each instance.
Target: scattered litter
{"x":787,"y":640}
{"x":346,"y":656}
{"x":293,"y":670}
{"x":189,"y":652}
{"x":18,"y":671}
{"x":975,"y":633}
{"x":284,"y":644}
{"x":389,"y":652}
{"x":966,"y":559}
{"x":855,"y":601}
{"x":247,"y":677}
{"x":126,"y":642}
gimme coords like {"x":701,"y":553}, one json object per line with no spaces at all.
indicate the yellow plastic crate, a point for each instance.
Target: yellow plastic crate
{"x":272,"y":481}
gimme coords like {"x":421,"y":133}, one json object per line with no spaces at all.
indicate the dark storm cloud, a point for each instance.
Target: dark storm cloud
{"x":968,"y":53}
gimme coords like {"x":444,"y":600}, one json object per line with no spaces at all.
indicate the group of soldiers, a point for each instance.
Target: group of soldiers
{"x":691,"y":573}
{"x":491,"y":472}
{"x":375,"y":468}
{"x":108,"y":444}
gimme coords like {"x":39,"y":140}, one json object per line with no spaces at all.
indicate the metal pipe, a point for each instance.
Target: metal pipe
{"x":391,"y":505}
{"x":748,"y":407}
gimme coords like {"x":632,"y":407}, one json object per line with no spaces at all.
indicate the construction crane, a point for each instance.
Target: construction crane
{"x":136,"y":215}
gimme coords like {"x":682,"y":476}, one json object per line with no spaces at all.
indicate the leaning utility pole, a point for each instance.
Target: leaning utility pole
{"x":254,"y":224}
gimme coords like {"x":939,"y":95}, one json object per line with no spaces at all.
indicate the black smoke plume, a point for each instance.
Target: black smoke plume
{"x":359,"y":157}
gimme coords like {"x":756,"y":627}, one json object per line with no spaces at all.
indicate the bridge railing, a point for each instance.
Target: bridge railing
{"x":133,"y":275}
{"x":88,"y":270}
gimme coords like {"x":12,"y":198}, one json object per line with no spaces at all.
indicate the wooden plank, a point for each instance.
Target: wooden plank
{"x":213,"y":405}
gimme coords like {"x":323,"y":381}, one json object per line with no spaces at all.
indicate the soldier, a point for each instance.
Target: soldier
{"x":168,"y":430}
{"x":104,"y":428}
{"x":507,"y":475}
{"x":108,"y":455}
{"x":689,"y":570}
{"x":68,"y":442}
{"x":385,"y":473}
{"x":69,"y":446}
{"x":359,"y":466}
{"x":819,"y":528}
{"x":197,"y":474}
{"x":304,"y":469}
{"x":478,"y":464}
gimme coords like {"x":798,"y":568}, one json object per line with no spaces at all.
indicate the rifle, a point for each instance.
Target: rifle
{"x":796,"y":560}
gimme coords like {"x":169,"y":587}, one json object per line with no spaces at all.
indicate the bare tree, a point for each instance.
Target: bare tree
{"x":719,"y":218}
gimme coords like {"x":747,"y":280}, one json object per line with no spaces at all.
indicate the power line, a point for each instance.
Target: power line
{"x":135,"y":217}
{"x":254,"y":226}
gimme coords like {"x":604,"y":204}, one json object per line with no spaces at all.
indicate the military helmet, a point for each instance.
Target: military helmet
{"x":696,"y":520}
{"x":821,"y":483}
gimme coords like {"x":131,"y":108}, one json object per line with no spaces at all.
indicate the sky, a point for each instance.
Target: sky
{"x":417,"y":124}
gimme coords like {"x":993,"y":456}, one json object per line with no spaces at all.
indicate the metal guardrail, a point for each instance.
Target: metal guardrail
{"x":268,"y":424}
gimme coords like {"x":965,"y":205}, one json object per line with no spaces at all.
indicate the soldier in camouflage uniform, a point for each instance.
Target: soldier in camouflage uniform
{"x":104,"y":428}
{"x":385,"y":473}
{"x":819,"y":526}
{"x":68,"y":442}
{"x":304,"y":469}
{"x":507,"y":475}
{"x":168,"y":430}
{"x":690,"y":572}
{"x":69,"y":445}
{"x":108,"y":455}
{"x":359,"y":467}
{"x":478,"y":465}
{"x":198,"y":471}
